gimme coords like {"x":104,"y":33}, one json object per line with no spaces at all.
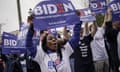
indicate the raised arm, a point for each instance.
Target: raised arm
{"x":94,"y":28}
{"x":108,"y":19}
{"x":109,"y":15}
{"x":74,"y":40}
{"x":85,"y":29}
{"x":66,"y":36}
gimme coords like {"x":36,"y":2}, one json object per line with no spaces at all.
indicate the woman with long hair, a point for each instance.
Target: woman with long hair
{"x":52,"y":57}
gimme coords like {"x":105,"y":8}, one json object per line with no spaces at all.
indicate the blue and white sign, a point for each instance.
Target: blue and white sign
{"x":86,"y":15}
{"x":98,"y":6}
{"x":115,"y":5}
{"x":70,"y":27}
{"x":23,"y":34}
{"x":35,"y":40}
{"x":54,"y":13}
{"x":23,"y":26}
{"x":28,"y":39}
{"x":10,"y":44}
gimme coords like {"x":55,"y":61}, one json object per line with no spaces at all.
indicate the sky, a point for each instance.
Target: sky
{"x":9,"y":15}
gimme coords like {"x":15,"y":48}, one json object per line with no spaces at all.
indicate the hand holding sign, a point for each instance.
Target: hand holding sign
{"x":108,"y":15}
{"x":109,"y":10}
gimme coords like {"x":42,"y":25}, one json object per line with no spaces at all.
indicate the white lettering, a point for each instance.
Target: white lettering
{"x":94,"y":5}
{"x":6,"y":42}
{"x":88,"y":12}
{"x":68,"y":7}
{"x":38,"y":10}
{"x":115,"y":7}
{"x":45,"y":9}
{"x":52,"y":8}
{"x":98,"y":4}
{"x":10,"y":42}
{"x":103,"y":4}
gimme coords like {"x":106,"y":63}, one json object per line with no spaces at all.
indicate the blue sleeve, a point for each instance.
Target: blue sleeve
{"x":74,"y":41}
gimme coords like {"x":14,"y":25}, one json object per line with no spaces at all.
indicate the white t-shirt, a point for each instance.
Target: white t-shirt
{"x":98,"y":46}
{"x":118,"y":41}
{"x":51,"y":62}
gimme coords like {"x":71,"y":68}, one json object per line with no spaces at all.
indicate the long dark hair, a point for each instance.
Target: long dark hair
{"x":45,"y":48}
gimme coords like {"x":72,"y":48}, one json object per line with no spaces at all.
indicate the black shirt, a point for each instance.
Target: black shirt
{"x":111,"y":36}
{"x":83,"y":55}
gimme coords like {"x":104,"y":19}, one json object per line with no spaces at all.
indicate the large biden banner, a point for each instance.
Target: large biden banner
{"x":54,"y":13}
{"x":115,"y":5}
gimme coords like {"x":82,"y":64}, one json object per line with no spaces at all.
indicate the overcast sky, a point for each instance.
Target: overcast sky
{"x":9,"y":15}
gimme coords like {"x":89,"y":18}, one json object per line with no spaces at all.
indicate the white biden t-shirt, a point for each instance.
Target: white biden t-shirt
{"x":51,"y":62}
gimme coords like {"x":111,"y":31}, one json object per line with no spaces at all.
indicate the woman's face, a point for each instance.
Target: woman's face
{"x":52,"y":42}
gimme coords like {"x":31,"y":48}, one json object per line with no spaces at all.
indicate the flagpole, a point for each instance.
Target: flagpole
{"x":19,"y":12}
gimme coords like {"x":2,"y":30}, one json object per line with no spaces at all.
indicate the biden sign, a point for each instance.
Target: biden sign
{"x":54,"y":13}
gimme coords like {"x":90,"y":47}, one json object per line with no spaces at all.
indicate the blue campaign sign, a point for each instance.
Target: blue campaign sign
{"x":115,"y":5}
{"x":54,"y":13}
{"x":98,"y":6}
{"x":23,"y":26}
{"x":23,"y":34}
{"x":86,"y":15}
{"x":10,"y":44}
{"x":28,"y":39}
{"x":36,"y":38}
{"x":21,"y":38}
{"x":70,"y":27}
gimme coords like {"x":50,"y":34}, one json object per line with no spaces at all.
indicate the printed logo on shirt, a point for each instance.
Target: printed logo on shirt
{"x":84,"y":50}
{"x":50,"y":64}
{"x":55,"y":64}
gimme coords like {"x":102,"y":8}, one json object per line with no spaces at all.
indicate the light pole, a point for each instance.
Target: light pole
{"x":19,"y":12}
